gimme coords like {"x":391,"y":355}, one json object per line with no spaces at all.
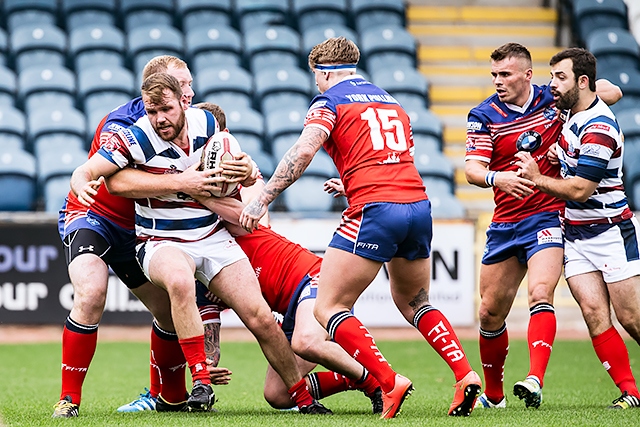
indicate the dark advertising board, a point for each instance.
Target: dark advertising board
{"x":34,"y":283}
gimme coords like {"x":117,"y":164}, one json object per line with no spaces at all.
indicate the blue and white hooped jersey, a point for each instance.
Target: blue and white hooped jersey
{"x":173,"y":216}
{"x":591,"y":147}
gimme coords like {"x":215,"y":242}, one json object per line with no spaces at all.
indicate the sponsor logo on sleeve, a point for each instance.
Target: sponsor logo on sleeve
{"x":473,"y":126}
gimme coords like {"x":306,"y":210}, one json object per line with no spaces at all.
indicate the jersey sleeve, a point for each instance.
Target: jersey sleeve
{"x":596,"y":150}
{"x":479,"y":145}
{"x":321,"y":115}
{"x":116,"y":150}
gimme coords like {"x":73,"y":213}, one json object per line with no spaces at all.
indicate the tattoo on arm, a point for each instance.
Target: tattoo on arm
{"x":420,"y":300}
{"x":212,"y":342}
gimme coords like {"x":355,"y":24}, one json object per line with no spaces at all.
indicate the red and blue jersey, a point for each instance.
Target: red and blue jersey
{"x":279,"y":264}
{"x":497,"y":131}
{"x":370,"y":142}
{"x":117,"y":209}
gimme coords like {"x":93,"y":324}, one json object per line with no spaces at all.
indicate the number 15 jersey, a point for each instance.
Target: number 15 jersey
{"x":370,"y":142}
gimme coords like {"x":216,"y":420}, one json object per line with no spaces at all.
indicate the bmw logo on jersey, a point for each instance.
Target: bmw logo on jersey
{"x":529,"y":141}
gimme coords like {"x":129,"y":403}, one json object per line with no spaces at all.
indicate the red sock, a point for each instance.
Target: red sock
{"x":368,"y":384}
{"x":494,"y":347}
{"x":352,"y":336}
{"x":78,"y":347}
{"x":540,"y":335}
{"x":438,"y":332}
{"x":193,"y":350}
{"x":300,"y":393}
{"x":613,"y":354}
{"x":327,"y":383}
{"x":168,"y":366}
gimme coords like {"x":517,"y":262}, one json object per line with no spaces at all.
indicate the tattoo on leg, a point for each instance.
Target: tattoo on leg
{"x":418,"y":301}
{"x":212,"y":342}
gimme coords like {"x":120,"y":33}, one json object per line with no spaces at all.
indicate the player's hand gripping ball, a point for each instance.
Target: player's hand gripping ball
{"x":220,"y":147}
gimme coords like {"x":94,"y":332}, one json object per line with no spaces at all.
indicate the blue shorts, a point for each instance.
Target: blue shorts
{"x":522,"y":239}
{"x":382,"y":231}
{"x":306,"y":289}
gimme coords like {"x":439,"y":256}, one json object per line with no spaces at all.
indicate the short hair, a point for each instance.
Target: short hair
{"x":336,"y":50}
{"x":160,"y":64}
{"x":155,"y":84}
{"x":217,"y":112}
{"x":511,"y":50}
{"x":584,"y":64}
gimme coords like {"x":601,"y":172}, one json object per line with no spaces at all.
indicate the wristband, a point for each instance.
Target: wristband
{"x":490,"y":178}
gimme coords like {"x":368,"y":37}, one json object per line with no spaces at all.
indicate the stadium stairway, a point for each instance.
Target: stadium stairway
{"x":455,"y":40}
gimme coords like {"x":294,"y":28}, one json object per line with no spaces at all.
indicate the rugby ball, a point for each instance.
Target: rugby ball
{"x":220,"y":147}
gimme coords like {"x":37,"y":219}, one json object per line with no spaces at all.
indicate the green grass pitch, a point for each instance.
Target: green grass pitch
{"x":577,"y":389}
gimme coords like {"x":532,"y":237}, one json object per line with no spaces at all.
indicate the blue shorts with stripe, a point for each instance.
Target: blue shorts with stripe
{"x":382,"y":231}
{"x":522,"y":239}
{"x":306,"y":289}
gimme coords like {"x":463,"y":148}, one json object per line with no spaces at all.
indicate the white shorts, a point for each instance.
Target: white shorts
{"x":210,"y":255}
{"x":614,"y":253}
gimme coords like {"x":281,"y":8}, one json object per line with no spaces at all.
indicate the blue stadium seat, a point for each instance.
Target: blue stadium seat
{"x":54,"y":171}
{"x":96,"y":44}
{"x":307,"y":196}
{"x":266,"y":47}
{"x":13,"y":128}
{"x":629,"y":121}
{"x":17,"y":180}
{"x":629,"y":81}
{"x":372,"y":13}
{"x":591,"y":15}
{"x":318,"y":34}
{"x":407,"y":85}
{"x":8,"y":87}
{"x":265,"y":162}
{"x":226,"y":86}
{"x":246,"y":124}
{"x":631,"y":155}
{"x":103,"y":87}
{"x":204,"y":13}
{"x":152,"y":40}
{"x":30,"y":12}
{"x":386,"y":46}
{"x":38,"y":45}
{"x":257,"y":13}
{"x":426,"y":126}
{"x":433,"y":164}
{"x":216,"y":45}
{"x":283,"y":129}
{"x":51,"y":122}
{"x":614,"y":48}
{"x":79,"y":13}
{"x":444,"y":204}
{"x":311,"y":13}
{"x":41,"y":87}
{"x":140,"y":13}
{"x":4,"y":48}
{"x":282,"y":87}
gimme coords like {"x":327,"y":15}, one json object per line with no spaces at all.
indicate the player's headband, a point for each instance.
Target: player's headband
{"x":336,"y":67}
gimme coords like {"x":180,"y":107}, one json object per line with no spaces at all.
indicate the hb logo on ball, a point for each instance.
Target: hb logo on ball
{"x":220,"y":147}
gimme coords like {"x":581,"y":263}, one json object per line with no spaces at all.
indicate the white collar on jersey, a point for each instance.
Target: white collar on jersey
{"x":522,"y":109}
{"x":351,"y":77}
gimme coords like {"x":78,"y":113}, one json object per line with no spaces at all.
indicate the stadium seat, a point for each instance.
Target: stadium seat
{"x":67,"y":122}
{"x":434,"y":164}
{"x":102,"y":87}
{"x":272,"y":46}
{"x":17,"y":179}
{"x":372,"y":13}
{"x":13,"y":128}
{"x":307,"y":196}
{"x":96,"y":44}
{"x":283,"y":129}
{"x":591,"y":15}
{"x":217,"y":45}
{"x":614,"y":48}
{"x":246,"y":124}
{"x":153,"y":40}
{"x":265,"y":162}
{"x":282,"y":87}
{"x":407,"y":85}
{"x":41,"y":87}
{"x":226,"y":86}
{"x":629,"y":82}
{"x":444,"y":204}
{"x":426,"y":126}
{"x":29,"y":12}
{"x":54,"y":171}
{"x":631,"y":174}
{"x":38,"y":45}
{"x":311,"y":13}
{"x":318,"y":34}
{"x":4,"y":48}
{"x":79,"y":13}
{"x":257,"y":13}
{"x":8,"y":87}
{"x":204,"y":13}
{"x":629,"y":121}
{"x":141,"y":13}
{"x":386,"y":46}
